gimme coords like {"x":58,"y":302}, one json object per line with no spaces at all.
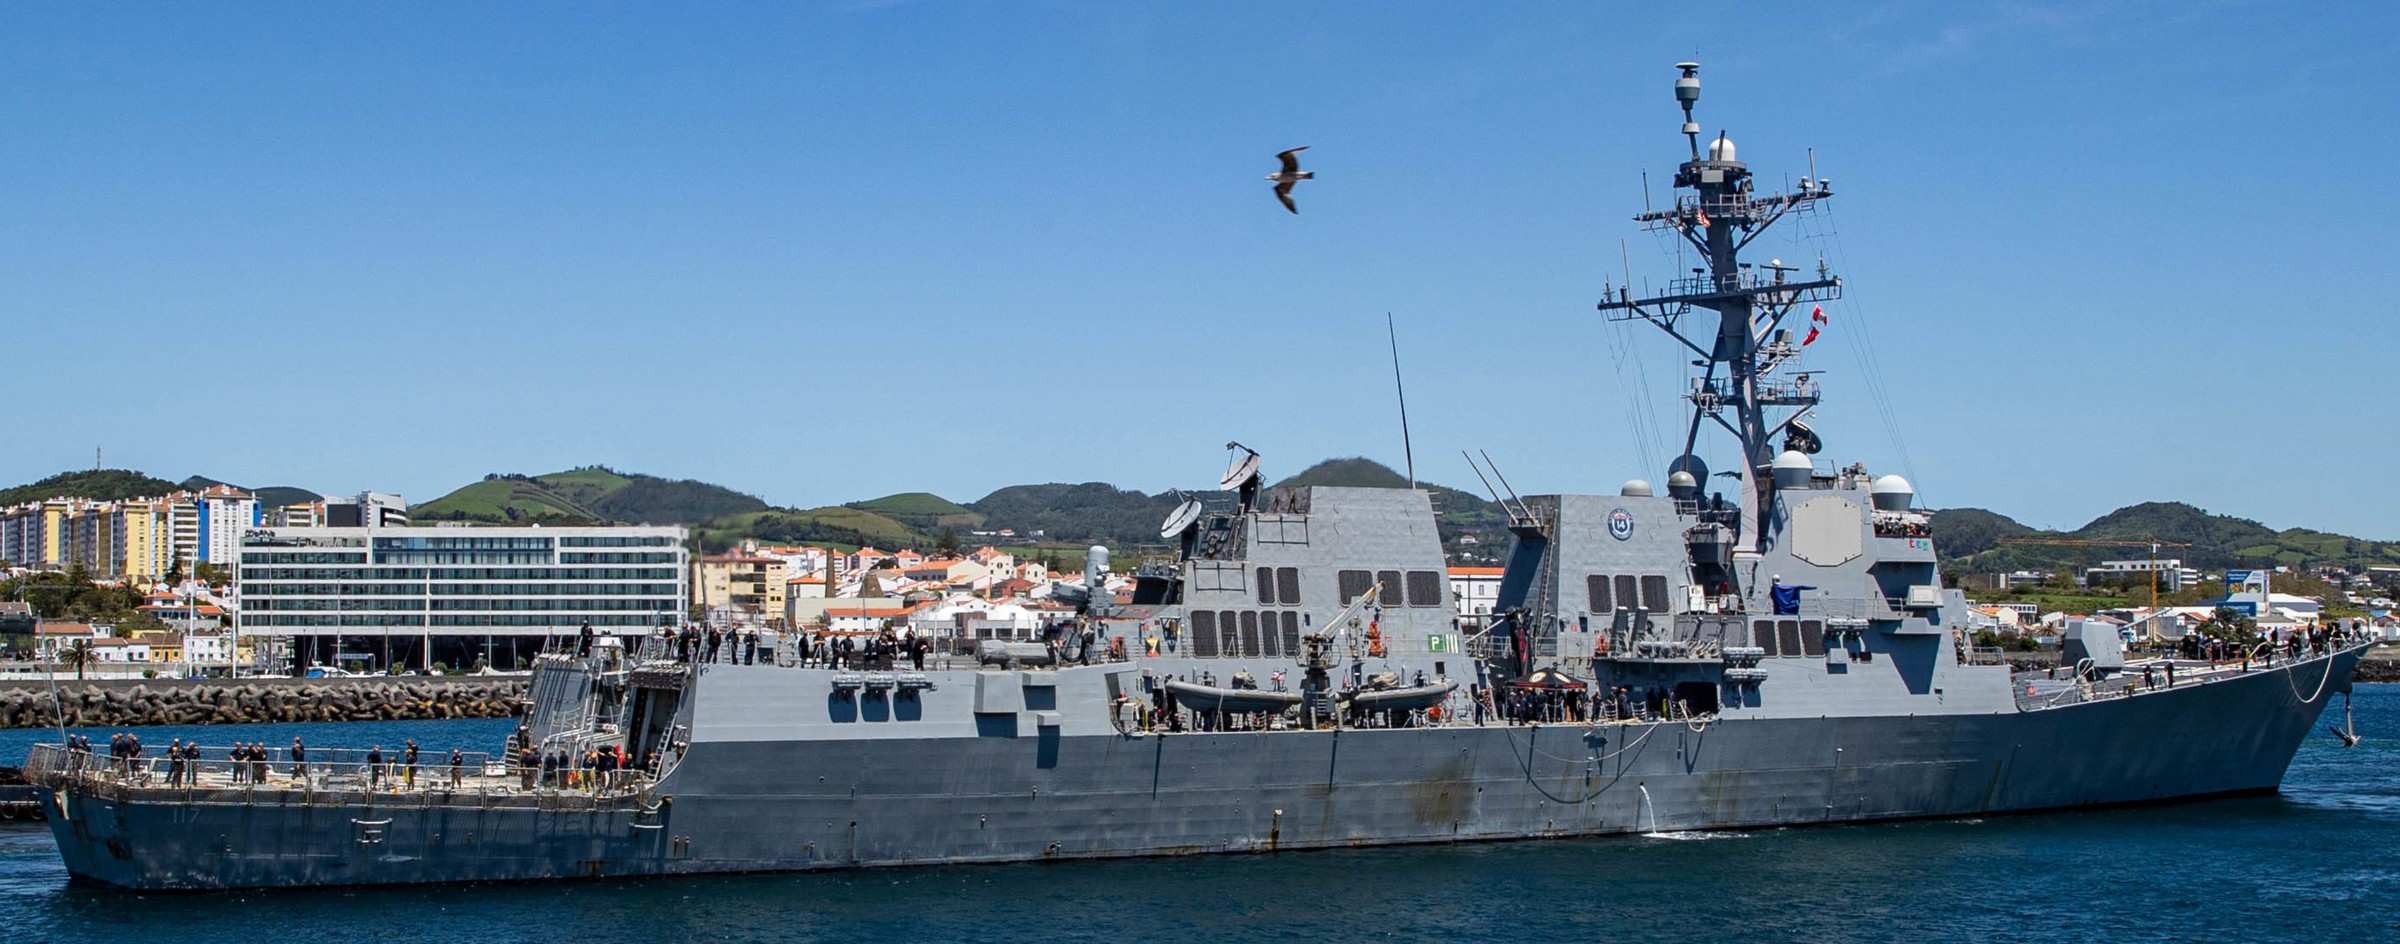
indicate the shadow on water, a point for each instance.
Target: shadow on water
{"x":2303,"y":866}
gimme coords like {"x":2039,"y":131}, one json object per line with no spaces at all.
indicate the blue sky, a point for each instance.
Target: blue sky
{"x":2104,"y":252}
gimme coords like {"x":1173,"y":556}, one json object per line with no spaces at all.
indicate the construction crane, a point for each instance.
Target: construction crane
{"x":2152,"y":542}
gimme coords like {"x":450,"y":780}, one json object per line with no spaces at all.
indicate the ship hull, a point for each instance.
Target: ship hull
{"x":805,"y":805}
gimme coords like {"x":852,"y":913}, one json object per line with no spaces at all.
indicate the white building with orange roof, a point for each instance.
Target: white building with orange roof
{"x":806,"y":587}
{"x":1476,"y":590}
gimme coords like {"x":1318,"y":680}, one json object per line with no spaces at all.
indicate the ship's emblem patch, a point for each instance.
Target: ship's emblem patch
{"x":1620,"y":524}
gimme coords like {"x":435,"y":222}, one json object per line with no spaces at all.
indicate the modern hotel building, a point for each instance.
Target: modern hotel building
{"x":414,"y":596}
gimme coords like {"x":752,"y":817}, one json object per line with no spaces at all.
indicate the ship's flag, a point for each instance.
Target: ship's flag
{"x":1816,"y":325}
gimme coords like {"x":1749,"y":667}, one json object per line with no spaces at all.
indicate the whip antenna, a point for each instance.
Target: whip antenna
{"x":1408,"y":452}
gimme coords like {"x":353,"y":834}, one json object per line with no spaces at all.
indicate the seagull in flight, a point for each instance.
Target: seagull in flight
{"x":1289,"y":175}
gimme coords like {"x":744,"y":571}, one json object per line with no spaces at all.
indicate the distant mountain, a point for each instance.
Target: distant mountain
{"x":1971,"y":538}
{"x":95,"y":484}
{"x":592,"y":494}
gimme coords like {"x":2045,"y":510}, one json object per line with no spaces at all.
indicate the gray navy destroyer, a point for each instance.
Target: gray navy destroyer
{"x":1299,"y":677}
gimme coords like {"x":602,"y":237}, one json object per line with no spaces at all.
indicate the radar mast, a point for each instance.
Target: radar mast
{"x":1720,"y":216}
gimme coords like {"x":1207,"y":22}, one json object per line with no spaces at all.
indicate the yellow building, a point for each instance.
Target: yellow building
{"x":744,"y":582}
{"x":164,"y":647}
{"x":145,"y":546}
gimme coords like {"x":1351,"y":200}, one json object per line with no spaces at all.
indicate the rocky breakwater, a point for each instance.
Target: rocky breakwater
{"x":2381,"y":664}
{"x":250,"y":701}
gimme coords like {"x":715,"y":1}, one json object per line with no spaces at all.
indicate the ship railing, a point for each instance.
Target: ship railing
{"x":323,"y":768}
{"x":46,"y":761}
{"x":341,"y":770}
{"x":1986,"y":655}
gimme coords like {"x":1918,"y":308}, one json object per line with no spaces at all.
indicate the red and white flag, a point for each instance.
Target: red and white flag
{"x":1817,"y":322}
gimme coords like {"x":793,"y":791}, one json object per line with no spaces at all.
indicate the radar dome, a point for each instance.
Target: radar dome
{"x":1636,"y":488}
{"x":1892,"y":493}
{"x":1721,"y":149}
{"x":1792,"y":469}
{"x":1683,"y":486}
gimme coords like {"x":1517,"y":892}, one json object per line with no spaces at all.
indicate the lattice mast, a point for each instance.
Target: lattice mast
{"x":1720,"y":216}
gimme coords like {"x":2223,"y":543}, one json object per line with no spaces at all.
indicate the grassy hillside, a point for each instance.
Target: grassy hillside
{"x":96,"y":484}
{"x":840,"y":526}
{"x":499,"y":499}
{"x":923,"y":511}
{"x":590,"y":494}
{"x":1092,"y":512}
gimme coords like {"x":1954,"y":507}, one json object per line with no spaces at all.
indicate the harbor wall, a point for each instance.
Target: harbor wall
{"x":28,"y":703}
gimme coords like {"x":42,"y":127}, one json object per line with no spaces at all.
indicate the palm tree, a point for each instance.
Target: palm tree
{"x":77,"y":654}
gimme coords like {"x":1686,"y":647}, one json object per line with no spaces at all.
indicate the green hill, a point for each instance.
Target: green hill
{"x":501,"y":499}
{"x":923,"y":511}
{"x":1092,"y":512}
{"x":839,"y":525}
{"x":587,"y":495}
{"x":95,"y":484}
{"x":1970,"y":538}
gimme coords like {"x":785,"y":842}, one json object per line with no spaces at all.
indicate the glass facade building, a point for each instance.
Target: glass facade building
{"x":414,"y":596}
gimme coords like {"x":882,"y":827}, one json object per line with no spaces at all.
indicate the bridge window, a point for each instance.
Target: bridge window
{"x":1287,"y":584}
{"x":1266,"y":586}
{"x":1354,"y":584}
{"x":1268,"y":644}
{"x":1393,"y":594}
{"x":1424,"y":588}
{"x":1229,"y":639}
{"x":1654,"y":594}
{"x":1812,"y":637}
{"x":1762,"y":635}
{"x":1596,"y":586}
{"x":1291,"y":633}
{"x":1204,"y":634}
{"x":1627,"y":591}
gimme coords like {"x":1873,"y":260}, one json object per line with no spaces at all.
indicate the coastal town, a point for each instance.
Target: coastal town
{"x":215,"y":583}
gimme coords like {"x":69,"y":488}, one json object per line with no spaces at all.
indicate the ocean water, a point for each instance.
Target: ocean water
{"x":2320,"y":862}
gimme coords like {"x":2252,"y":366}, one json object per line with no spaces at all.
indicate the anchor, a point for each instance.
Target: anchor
{"x":2348,"y":732}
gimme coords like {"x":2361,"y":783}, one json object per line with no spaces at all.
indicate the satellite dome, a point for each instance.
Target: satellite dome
{"x":1792,"y":469}
{"x":1683,"y":486}
{"x":1892,"y":493}
{"x":1721,"y":149}
{"x":1636,"y":488}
